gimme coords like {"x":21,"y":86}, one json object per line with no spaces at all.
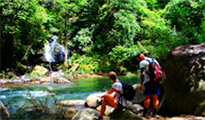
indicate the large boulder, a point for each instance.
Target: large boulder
{"x":184,"y":86}
{"x":93,"y":100}
{"x":72,"y":103}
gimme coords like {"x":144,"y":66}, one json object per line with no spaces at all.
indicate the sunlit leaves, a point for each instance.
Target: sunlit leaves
{"x":41,"y":14}
{"x":122,"y":53}
{"x":125,"y":28}
{"x":82,"y":40}
{"x":187,"y":17}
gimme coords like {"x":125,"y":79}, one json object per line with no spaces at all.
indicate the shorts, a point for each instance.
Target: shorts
{"x":152,"y":88}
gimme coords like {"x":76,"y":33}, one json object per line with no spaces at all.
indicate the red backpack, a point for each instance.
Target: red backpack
{"x":155,"y":73}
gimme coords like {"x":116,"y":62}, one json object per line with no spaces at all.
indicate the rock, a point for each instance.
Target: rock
{"x":70,"y":112}
{"x":14,"y":81}
{"x":108,"y":109}
{"x":92,"y":100}
{"x":139,"y":96}
{"x":72,"y":103}
{"x":136,"y":108}
{"x":187,"y":117}
{"x":2,"y":81}
{"x":24,"y":79}
{"x":43,"y":79}
{"x":60,"y":80}
{"x":184,"y":86}
{"x":56,"y":74}
{"x":124,"y":115}
{"x":3,"y":89}
{"x":39,"y":70}
{"x":86,"y":114}
{"x":4,"y":113}
{"x":64,"y":112}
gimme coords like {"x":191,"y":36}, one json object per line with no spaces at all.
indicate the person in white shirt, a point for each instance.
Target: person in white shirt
{"x":151,"y":88}
{"x":116,"y":100}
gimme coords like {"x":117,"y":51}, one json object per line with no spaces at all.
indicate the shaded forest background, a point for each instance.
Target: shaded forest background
{"x":101,"y":35}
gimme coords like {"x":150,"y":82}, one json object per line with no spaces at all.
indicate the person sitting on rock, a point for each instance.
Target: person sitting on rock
{"x":116,"y":101}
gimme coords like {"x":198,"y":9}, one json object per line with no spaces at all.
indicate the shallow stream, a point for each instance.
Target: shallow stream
{"x":78,"y":90}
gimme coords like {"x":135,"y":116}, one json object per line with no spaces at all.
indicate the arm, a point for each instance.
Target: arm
{"x":142,"y":78}
{"x":111,"y":91}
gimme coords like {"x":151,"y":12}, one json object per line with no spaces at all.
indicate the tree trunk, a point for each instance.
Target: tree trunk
{"x":65,"y":33}
{"x":28,"y":48}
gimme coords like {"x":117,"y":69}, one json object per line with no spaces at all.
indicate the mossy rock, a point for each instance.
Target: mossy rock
{"x":39,"y":70}
{"x":124,"y":115}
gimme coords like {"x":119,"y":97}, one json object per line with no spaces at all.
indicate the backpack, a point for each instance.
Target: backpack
{"x":128,"y":91}
{"x":155,"y":73}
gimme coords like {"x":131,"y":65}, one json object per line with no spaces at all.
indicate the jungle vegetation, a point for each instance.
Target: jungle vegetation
{"x":102,"y":35}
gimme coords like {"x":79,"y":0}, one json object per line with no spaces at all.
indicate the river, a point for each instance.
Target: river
{"x":78,"y":90}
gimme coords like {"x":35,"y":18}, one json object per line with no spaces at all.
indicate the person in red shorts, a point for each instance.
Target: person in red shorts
{"x":151,"y":88}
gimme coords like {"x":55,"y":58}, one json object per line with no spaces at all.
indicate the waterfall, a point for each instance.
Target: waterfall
{"x":54,"y":52}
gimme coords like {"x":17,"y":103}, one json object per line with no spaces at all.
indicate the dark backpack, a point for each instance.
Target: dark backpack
{"x":128,"y":91}
{"x":155,"y":73}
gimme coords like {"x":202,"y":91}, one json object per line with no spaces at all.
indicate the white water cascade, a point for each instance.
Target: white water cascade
{"x":54,"y":52}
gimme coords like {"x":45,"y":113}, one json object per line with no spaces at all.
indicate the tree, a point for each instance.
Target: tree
{"x":22,"y":30}
{"x":187,"y":19}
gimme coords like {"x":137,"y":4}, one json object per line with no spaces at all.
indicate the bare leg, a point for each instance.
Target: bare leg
{"x":108,"y":100}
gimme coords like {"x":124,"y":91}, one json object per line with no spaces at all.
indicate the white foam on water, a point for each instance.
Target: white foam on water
{"x":2,"y":97}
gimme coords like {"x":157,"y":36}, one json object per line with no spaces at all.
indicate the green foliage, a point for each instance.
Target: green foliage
{"x":187,"y":17}
{"x":156,"y":32}
{"x":82,"y":40}
{"x":124,"y":29}
{"x":3,"y":75}
{"x":156,"y":4}
{"x":151,"y":4}
{"x":108,"y":33}
{"x":121,"y":54}
{"x":21,"y":22}
{"x":87,"y":64}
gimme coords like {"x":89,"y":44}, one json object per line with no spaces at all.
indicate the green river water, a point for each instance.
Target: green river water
{"x":77,"y":90}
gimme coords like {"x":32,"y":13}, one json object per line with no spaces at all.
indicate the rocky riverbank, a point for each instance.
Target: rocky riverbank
{"x":53,"y":78}
{"x":90,"y":108}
